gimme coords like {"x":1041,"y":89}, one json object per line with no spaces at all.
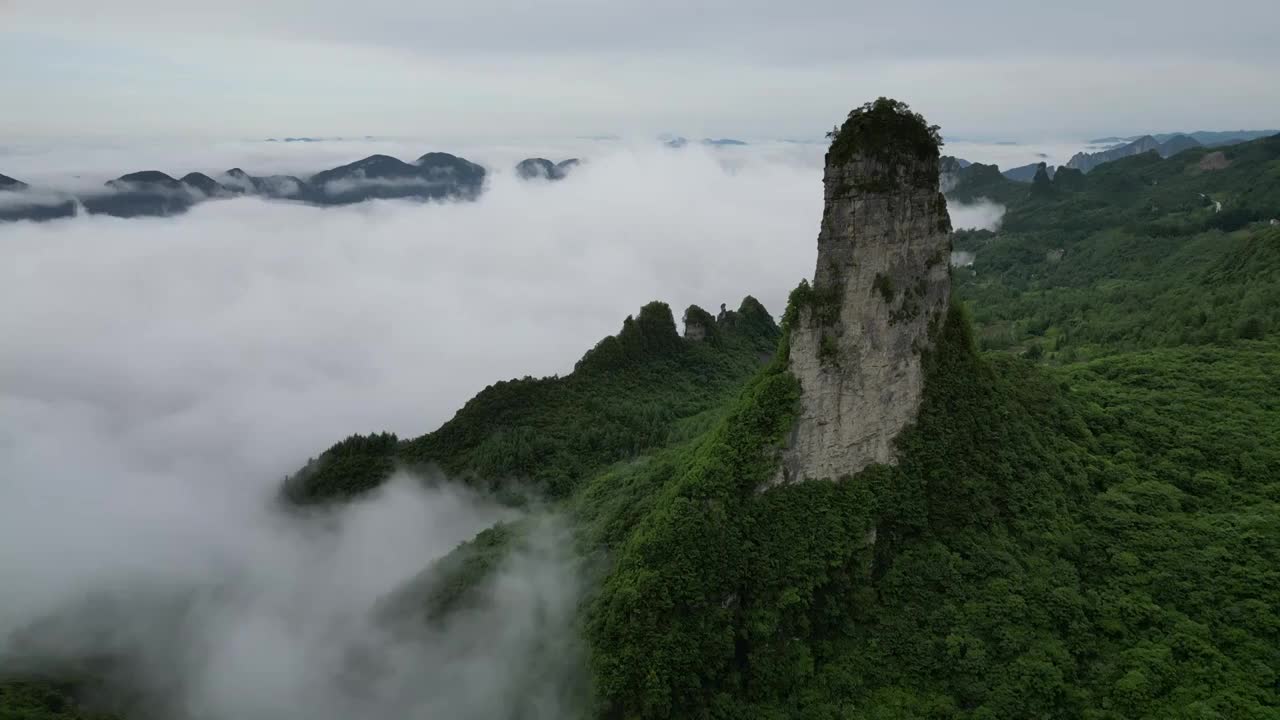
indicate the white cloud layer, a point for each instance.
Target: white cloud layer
{"x":184,"y":601}
{"x":981,"y":215}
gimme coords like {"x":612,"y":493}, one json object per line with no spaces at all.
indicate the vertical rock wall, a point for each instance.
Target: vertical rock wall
{"x":881,"y":285}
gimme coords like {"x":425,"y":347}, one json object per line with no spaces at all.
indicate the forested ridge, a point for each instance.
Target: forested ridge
{"x":1140,"y":253}
{"x":1084,"y":521}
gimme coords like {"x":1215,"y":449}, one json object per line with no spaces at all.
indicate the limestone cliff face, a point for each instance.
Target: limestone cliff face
{"x":882,"y":283}
{"x":698,"y":324}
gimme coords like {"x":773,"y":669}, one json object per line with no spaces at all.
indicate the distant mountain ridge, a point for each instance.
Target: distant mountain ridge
{"x":434,"y":176}
{"x":1222,"y":189}
{"x":1208,"y":138}
{"x":1027,"y":173}
{"x":1084,"y":162}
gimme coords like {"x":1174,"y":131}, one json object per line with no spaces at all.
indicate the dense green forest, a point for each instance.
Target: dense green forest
{"x":1140,"y":253}
{"x":1092,"y":543}
{"x":1085,"y":521}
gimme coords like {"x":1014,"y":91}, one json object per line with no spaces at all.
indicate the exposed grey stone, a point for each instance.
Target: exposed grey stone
{"x":883,"y":284}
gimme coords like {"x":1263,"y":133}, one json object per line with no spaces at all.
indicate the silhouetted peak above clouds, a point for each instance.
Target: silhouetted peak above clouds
{"x":146,"y":178}
{"x":544,"y":169}
{"x":203,"y":183}
{"x":8,"y":183}
{"x":433,"y":176}
{"x":437,"y":165}
{"x":373,"y":167}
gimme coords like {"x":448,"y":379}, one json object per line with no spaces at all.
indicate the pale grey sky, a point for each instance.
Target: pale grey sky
{"x":490,"y":69}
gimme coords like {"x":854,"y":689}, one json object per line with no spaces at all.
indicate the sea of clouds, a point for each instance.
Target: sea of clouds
{"x":160,"y":376}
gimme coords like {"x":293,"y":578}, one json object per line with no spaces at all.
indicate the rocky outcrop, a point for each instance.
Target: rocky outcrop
{"x":881,"y":287}
{"x":1068,"y":179}
{"x":1042,"y":181}
{"x":544,"y":169}
{"x":698,"y":324}
{"x":536,"y":169}
{"x":1214,"y":161}
{"x":949,"y":169}
{"x":1027,"y":173}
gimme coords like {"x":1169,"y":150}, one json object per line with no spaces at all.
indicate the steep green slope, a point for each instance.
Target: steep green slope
{"x":635,"y":391}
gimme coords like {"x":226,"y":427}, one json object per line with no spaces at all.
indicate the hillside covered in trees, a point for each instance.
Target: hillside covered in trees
{"x":1141,"y":253}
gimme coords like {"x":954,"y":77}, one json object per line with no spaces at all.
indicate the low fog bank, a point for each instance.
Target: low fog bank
{"x":186,"y":601}
{"x":980,"y":215}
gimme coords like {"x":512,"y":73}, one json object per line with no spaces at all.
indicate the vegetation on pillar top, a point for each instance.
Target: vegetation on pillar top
{"x":886,"y":130}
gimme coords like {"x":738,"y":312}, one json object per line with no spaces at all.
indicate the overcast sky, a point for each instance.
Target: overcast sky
{"x":490,"y":69}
